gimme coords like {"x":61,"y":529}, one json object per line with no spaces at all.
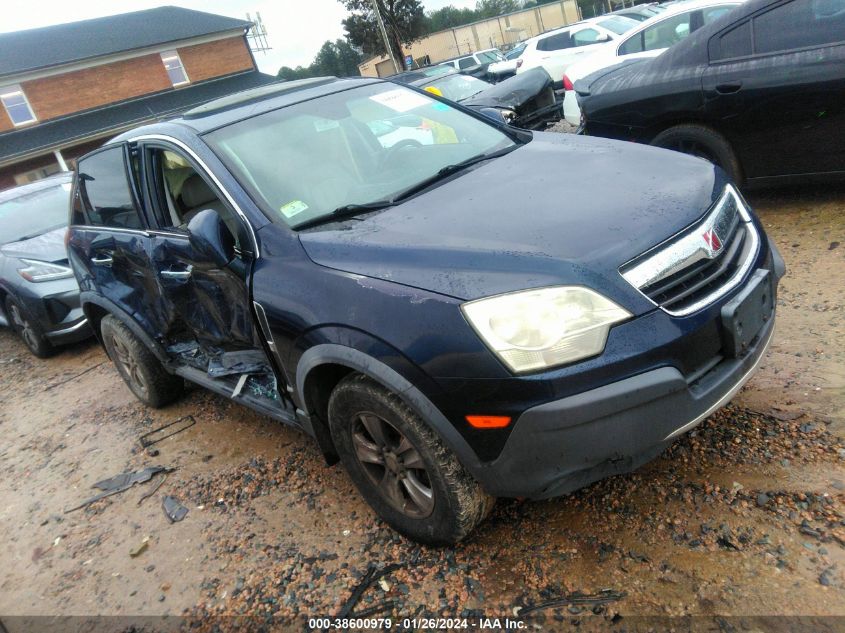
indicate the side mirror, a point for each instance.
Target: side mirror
{"x":211,"y":239}
{"x":602,"y":38}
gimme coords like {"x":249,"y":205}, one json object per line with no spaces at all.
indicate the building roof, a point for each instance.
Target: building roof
{"x":49,"y":46}
{"x":19,"y":144}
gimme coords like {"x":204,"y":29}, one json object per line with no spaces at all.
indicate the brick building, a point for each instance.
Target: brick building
{"x":65,"y":89}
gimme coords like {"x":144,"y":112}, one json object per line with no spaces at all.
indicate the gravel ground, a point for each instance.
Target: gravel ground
{"x":741,"y":517}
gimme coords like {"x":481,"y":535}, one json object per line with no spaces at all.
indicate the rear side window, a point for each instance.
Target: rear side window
{"x":735,"y":43}
{"x":466,"y":62}
{"x":104,"y":190}
{"x":555,"y":42}
{"x":800,"y":24}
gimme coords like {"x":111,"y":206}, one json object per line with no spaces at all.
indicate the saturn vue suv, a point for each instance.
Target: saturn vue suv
{"x":479,"y":315}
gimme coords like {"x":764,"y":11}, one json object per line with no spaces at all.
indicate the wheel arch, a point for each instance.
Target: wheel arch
{"x":323,"y":366}
{"x":97,"y":307}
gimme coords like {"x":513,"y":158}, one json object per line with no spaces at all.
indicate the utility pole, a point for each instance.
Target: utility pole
{"x":384,"y":36}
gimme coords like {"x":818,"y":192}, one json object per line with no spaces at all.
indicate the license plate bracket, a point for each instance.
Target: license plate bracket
{"x":745,"y":315}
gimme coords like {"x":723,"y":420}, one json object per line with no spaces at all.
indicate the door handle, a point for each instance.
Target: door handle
{"x":727,"y":89}
{"x":102,"y":261}
{"x":181,"y":275}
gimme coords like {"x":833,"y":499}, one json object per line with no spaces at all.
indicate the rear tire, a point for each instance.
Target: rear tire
{"x":701,"y":141}
{"x":28,"y":329}
{"x":137,"y":365}
{"x":401,"y":467}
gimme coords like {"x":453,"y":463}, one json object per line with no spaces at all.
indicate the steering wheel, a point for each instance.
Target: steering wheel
{"x":394,"y":150}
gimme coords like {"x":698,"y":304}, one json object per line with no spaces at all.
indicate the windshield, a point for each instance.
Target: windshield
{"x":619,"y":24}
{"x":302,"y":162}
{"x":35,"y":213}
{"x":458,"y":87}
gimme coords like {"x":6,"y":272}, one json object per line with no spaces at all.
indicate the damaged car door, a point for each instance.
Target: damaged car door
{"x":200,"y":256}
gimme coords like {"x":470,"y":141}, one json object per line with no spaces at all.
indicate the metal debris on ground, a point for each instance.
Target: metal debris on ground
{"x":157,"y":485}
{"x":173,"y":510}
{"x":182,"y":424}
{"x":74,"y":377}
{"x":604,"y":596}
{"x":120,"y":483}
{"x":372,"y":576}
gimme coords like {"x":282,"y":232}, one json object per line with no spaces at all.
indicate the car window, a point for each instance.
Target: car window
{"x":34,"y":213}
{"x":487,"y":57}
{"x":585,"y":37}
{"x":799,"y":24}
{"x":734,"y":43}
{"x":516,"y":52}
{"x":104,"y":190}
{"x":661,"y":35}
{"x":458,"y":87}
{"x":366,"y":144}
{"x":555,"y":42}
{"x":466,"y":62}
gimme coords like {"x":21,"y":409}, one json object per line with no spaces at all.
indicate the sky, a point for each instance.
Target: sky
{"x":295,"y":28}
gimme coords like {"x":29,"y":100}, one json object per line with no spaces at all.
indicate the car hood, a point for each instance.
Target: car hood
{"x":562,"y":209}
{"x":48,"y":247}
{"x":512,"y":92}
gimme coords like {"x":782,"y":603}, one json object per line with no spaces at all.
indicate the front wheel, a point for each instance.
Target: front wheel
{"x":701,"y":141}
{"x":27,"y":328}
{"x":140,"y":369}
{"x":401,"y":467}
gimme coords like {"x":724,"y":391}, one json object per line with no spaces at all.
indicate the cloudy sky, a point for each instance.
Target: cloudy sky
{"x":296,"y":28}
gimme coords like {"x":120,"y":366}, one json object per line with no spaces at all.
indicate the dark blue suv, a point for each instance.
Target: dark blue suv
{"x":456,"y":309}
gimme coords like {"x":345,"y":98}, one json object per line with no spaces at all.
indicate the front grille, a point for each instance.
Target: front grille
{"x":702,"y":263}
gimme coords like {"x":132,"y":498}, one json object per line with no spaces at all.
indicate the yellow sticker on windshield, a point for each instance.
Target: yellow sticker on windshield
{"x":293,"y":208}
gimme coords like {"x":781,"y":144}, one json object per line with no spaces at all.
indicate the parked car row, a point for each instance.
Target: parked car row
{"x":759,"y":91}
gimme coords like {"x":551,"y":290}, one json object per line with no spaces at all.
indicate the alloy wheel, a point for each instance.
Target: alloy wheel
{"x":23,"y":326}
{"x":129,"y":364}
{"x":393,"y":465}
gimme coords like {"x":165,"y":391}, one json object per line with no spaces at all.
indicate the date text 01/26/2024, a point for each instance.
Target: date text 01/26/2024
{"x":414,"y":624}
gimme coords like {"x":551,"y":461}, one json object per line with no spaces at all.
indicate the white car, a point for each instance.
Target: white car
{"x":509,"y":64}
{"x":479,"y":58}
{"x":649,"y":39}
{"x":557,"y":49}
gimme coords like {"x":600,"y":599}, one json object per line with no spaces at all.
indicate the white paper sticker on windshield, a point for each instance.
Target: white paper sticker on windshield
{"x":293,"y":208}
{"x":400,"y":100}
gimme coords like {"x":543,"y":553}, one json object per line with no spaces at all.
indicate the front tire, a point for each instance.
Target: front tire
{"x":28,"y":329}
{"x":137,"y":365}
{"x":701,"y":141}
{"x":401,"y":467}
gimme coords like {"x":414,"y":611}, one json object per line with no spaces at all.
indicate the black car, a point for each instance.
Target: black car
{"x":39,"y":297}
{"x":480,"y":316}
{"x":760,"y":92}
{"x":527,"y":100}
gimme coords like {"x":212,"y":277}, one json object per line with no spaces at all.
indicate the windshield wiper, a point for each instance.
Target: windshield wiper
{"x":345,"y":211}
{"x":444,"y":172}
{"x":448,"y":170}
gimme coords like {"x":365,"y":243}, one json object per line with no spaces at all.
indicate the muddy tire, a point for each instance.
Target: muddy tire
{"x":28,"y":330}
{"x":140,"y":369}
{"x":701,"y":141}
{"x":401,"y":467}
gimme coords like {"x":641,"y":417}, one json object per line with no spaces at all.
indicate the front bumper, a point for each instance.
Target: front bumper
{"x":567,"y":443}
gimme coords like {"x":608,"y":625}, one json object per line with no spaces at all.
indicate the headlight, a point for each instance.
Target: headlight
{"x":536,"y":329}
{"x":36,"y":271}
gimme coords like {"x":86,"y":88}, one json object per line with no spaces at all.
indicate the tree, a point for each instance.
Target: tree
{"x":336,"y":58}
{"x":494,"y":8}
{"x":449,"y":18}
{"x":404,"y":21}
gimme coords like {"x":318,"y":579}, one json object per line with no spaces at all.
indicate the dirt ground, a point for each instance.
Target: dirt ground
{"x":741,"y":517}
